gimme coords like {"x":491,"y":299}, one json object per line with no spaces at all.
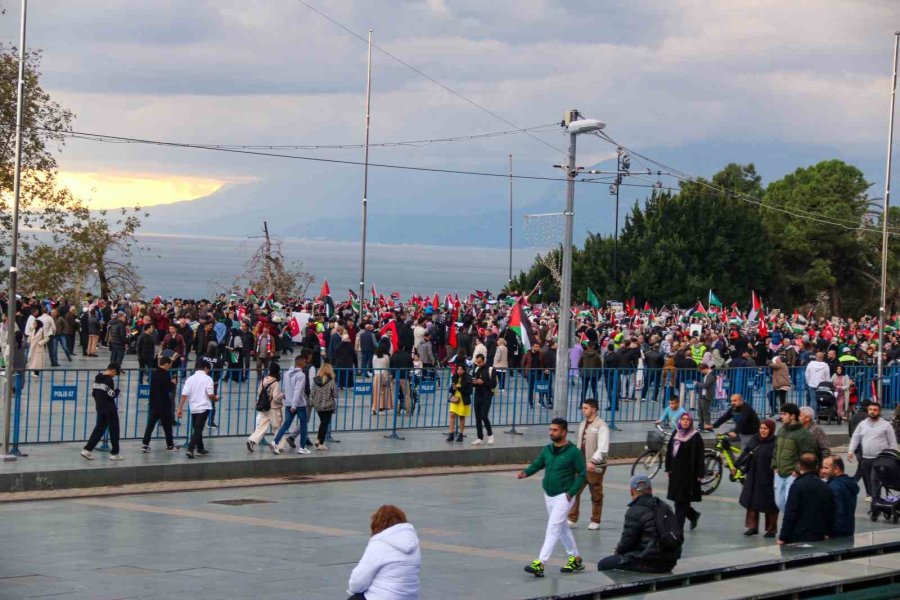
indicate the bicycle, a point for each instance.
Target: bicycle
{"x":652,"y":459}
{"x":713,"y":460}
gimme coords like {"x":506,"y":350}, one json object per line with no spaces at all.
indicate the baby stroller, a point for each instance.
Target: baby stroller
{"x":826,"y":403}
{"x":886,"y":477}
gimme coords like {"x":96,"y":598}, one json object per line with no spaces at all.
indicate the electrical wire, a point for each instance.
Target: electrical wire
{"x":797,"y":213}
{"x":425,"y":75}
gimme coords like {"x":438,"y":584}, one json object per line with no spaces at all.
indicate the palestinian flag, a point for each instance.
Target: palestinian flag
{"x":354,"y":300}
{"x":648,"y":310}
{"x":798,"y":323}
{"x":755,"y":307}
{"x":519,"y":325}
{"x":251,"y":296}
{"x":325,"y":291}
{"x":592,"y":298}
{"x":892,"y":327}
{"x":714,"y":300}
{"x":698,"y":312}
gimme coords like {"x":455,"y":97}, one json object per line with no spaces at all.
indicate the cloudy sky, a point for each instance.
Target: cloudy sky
{"x":696,"y":84}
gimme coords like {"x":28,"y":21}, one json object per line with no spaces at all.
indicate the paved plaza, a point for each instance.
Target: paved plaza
{"x":301,"y":540}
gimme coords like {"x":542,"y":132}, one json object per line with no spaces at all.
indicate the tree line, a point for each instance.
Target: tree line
{"x":732,"y":234}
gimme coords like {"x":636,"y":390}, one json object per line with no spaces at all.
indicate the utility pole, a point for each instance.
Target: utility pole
{"x":509,"y":280}
{"x":365,"y":194}
{"x":268,"y":261}
{"x":882,"y":314}
{"x":616,"y":230}
{"x":14,"y":254}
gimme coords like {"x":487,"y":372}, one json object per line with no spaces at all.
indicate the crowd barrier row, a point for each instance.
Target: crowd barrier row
{"x":55,"y":405}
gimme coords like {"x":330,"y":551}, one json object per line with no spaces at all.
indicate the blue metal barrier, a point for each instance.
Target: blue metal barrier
{"x":55,"y":405}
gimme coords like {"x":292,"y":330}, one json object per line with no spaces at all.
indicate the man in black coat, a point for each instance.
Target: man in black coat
{"x":161,"y":405}
{"x":707,"y":392}
{"x":746,"y":421}
{"x":639,"y":548}
{"x":809,"y":511}
{"x":653,"y":364}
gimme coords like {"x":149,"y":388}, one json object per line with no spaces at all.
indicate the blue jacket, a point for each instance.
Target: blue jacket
{"x":844,"y":490}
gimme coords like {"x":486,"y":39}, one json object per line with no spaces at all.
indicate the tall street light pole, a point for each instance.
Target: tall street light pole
{"x":882,"y":316}
{"x":509,"y":280}
{"x":14,"y":254}
{"x":575,"y":126}
{"x":365,"y":200}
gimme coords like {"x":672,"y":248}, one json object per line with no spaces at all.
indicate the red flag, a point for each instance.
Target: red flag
{"x":295,"y":327}
{"x":763,"y":330}
{"x":157,"y":301}
{"x":326,"y":291}
{"x":452,"y":338}
{"x":391,"y":329}
{"x":828,"y":332}
{"x":435,"y":302}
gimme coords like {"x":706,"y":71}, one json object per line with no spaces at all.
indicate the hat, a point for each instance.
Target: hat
{"x":846,"y":351}
{"x":640,"y":482}
{"x":114,"y":367}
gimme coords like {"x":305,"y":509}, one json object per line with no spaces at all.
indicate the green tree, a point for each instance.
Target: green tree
{"x":813,"y":258}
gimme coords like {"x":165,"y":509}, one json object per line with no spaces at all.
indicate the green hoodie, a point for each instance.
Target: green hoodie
{"x":565,"y":469}
{"x":792,"y":441}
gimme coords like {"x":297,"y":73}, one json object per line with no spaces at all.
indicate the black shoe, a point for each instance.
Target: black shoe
{"x":177,"y":423}
{"x":769,"y":535}
{"x":172,"y":448}
{"x":251,"y":446}
{"x":189,"y":454}
{"x":213,"y":426}
{"x":451,"y":436}
{"x":202,"y":452}
{"x":459,"y":437}
{"x":145,"y":448}
{"x":290,"y":441}
{"x":694,"y":521}
{"x":751,"y":532}
{"x":309,"y":443}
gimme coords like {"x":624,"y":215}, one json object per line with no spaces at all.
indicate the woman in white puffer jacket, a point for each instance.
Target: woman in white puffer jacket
{"x":389,"y":568}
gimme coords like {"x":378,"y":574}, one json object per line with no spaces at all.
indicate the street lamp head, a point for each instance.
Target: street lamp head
{"x":585,"y":126}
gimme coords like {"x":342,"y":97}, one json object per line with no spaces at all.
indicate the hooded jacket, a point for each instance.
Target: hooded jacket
{"x":640,"y":538}
{"x":844,"y":490}
{"x":105,"y":393}
{"x":389,"y":568}
{"x":295,"y":388}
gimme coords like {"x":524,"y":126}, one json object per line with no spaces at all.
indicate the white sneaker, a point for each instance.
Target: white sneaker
{"x":275,"y":449}
{"x":477,"y":442}
{"x":87,"y":454}
{"x":116,"y":457}
{"x":490,"y":439}
{"x":303,"y":451}
{"x":868,"y":498}
{"x":594,"y":526}
{"x":572,"y":524}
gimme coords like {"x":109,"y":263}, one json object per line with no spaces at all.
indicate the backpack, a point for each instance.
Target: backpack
{"x":670,"y":536}
{"x":264,"y":402}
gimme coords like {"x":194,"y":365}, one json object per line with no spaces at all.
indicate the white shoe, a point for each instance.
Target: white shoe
{"x":868,"y":498}
{"x":572,"y":524}
{"x":594,"y":526}
{"x":303,"y":451}
{"x":87,"y":454}
{"x":275,"y":449}
{"x":477,"y":442}
{"x":116,"y":457}
{"x":490,"y":440}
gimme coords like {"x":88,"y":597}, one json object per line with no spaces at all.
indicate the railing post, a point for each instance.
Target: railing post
{"x":17,"y":416}
{"x":508,"y":386}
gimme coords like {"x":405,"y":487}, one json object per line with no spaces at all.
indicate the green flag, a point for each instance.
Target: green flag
{"x":714,"y":300}
{"x":592,"y":299}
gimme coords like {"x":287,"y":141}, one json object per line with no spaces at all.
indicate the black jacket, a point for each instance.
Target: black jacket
{"x":758,"y":493}
{"x":640,"y":539}
{"x":117,"y":333}
{"x":685,"y":469}
{"x":809,"y":511}
{"x":161,"y":386}
{"x":105,"y":393}
{"x":367,"y":341}
{"x":344,"y":356}
{"x":653,"y":359}
{"x":486,"y":390}
{"x":746,"y":421}
{"x":844,"y":490}
{"x":146,"y":346}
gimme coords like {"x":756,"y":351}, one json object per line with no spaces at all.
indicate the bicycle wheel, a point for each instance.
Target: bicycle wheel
{"x":712,"y":472}
{"x":647,"y":463}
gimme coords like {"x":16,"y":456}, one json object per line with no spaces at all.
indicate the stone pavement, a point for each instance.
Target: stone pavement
{"x":59,"y":466}
{"x":302,"y":540}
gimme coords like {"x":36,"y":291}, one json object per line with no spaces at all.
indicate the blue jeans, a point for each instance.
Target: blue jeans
{"x":366,"y":366}
{"x":302,"y":416}
{"x":812,"y":399}
{"x":782,"y":488}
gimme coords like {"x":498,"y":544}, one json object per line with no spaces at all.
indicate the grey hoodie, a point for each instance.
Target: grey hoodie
{"x":295,"y":388}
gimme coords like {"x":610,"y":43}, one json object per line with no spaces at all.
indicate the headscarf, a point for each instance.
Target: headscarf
{"x":683,"y":434}
{"x":771,"y":425}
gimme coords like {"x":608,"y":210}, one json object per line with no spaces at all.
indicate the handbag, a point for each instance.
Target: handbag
{"x":455,"y":397}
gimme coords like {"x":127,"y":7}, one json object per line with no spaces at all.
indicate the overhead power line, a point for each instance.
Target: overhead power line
{"x":421,"y":73}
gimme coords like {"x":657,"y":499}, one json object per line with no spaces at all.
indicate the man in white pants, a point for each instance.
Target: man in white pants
{"x":564,"y":477}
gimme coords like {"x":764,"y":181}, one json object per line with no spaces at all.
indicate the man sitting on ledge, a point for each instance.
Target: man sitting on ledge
{"x":640,"y":548}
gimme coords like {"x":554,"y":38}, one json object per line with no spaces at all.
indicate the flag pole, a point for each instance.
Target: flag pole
{"x":884,"y":224}
{"x":365,"y":200}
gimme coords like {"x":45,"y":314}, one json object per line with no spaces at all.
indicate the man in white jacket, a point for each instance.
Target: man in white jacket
{"x":817,"y":371}
{"x":593,"y":441}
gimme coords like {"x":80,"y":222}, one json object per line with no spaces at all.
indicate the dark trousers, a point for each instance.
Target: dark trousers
{"x":482,"y":419}
{"x":163,"y":416}
{"x":145,"y":364}
{"x":776,"y":399}
{"x":866,"y":465}
{"x":70,"y":343}
{"x":116,"y":354}
{"x":324,"y":422}
{"x":357,"y":597}
{"x":617,"y":561}
{"x":684,"y":510}
{"x":589,"y":380}
{"x":105,"y":420}
{"x":651,"y":379}
{"x":198,"y":422}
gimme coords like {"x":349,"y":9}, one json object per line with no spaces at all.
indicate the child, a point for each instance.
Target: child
{"x":669,"y":417}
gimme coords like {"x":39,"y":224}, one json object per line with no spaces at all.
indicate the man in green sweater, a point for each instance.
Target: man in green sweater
{"x":792,"y":441}
{"x":564,"y":476}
